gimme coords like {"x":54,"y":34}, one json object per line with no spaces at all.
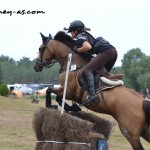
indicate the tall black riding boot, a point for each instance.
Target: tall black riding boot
{"x":93,"y":97}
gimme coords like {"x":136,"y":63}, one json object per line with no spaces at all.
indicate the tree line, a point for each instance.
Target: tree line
{"x":136,"y":70}
{"x":135,"y":67}
{"x":22,"y":72}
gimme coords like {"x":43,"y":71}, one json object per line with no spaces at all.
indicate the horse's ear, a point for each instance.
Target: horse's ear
{"x":50,"y":36}
{"x":44,"y":39}
{"x":42,"y":35}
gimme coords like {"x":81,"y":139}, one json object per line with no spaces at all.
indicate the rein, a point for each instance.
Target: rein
{"x":61,"y":66}
{"x":53,"y":61}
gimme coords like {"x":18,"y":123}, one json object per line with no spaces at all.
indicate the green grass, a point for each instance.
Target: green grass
{"x":16,"y":132}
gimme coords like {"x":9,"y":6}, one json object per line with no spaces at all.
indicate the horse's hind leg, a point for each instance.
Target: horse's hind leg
{"x":134,"y":141}
{"x":145,"y":133}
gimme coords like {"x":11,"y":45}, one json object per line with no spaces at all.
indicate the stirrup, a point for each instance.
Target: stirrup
{"x":90,"y":100}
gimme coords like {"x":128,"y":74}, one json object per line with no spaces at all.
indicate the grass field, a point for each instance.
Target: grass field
{"x":16,"y":132}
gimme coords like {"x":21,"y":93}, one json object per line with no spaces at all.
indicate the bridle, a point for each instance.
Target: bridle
{"x":47,"y":64}
{"x":40,"y":61}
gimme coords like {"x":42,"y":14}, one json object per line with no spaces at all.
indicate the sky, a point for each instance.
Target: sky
{"x":124,"y":23}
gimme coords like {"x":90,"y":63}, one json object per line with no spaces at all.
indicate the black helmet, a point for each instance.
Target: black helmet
{"x":77,"y":24}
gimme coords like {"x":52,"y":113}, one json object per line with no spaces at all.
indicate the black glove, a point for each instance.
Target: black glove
{"x":75,"y":49}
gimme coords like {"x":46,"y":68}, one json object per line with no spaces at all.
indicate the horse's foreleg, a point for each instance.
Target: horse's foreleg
{"x":66,"y":106}
{"x":57,"y":91}
{"x":48,"y":102}
{"x":59,"y":95}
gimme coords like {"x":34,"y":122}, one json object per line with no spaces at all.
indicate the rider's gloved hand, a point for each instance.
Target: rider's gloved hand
{"x":75,"y":49}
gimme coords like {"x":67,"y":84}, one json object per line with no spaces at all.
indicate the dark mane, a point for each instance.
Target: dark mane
{"x":65,"y":38}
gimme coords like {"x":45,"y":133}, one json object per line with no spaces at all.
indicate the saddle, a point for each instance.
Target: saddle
{"x":102,"y":82}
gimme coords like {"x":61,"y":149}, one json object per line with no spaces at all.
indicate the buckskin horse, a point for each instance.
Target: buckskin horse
{"x":125,"y":105}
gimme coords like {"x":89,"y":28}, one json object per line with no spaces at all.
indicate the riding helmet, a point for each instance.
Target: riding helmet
{"x":77,"y":24}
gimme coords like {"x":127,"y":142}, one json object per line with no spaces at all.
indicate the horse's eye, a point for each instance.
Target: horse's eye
{"x":40,"y":49}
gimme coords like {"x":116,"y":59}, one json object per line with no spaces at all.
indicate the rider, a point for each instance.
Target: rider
{"x":106,"y":55}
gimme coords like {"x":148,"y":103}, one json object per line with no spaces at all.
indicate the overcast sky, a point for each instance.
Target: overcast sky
{"x":124,"y":23}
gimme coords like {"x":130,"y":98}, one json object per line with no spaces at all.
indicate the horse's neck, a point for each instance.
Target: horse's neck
{"x":59,"y":49}
{"x":61,"y":54}
{"x":78,"y":60}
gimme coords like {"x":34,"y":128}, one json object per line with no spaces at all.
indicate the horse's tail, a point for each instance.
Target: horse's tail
{"x":146,"y":107}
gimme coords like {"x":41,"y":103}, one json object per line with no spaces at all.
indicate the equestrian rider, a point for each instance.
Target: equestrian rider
{"x":106,"y":55}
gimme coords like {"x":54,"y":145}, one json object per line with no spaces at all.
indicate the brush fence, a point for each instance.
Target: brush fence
{"x":70,"y":131}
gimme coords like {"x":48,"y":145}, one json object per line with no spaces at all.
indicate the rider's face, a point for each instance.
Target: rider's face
{"x":73,"y":34}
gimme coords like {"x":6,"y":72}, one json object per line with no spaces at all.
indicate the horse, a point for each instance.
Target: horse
{"x":126,"y":106}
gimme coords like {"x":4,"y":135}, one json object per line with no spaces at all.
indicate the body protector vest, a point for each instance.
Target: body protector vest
{"x":98,"y":44}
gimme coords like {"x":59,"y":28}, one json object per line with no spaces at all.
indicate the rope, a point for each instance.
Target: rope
{"x":46,"y":141}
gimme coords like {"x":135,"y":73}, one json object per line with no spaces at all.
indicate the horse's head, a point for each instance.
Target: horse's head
{"x":45,"y":57}
{"x":57,"y":49}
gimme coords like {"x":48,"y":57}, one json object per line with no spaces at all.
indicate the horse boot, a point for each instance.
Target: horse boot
{"x":93,"y":97}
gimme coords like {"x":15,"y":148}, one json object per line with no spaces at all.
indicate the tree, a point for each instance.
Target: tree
{"x":135,"y":65}
{"x":144,"y":78}
{"x":131,"y":57}
{"x":4,"y":89}
{"x":22,"y":71}
{"x":1,"y":75}
{"x":6,"y":59}
{"x":117,"y":70}
{"x":24,"y":61}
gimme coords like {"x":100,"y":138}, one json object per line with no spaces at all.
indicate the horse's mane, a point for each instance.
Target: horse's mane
{"x":65,"y":38}
{"x":68,"y":40}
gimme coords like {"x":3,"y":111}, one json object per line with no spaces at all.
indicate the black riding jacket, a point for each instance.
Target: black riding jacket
{"x":98,"y":44}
